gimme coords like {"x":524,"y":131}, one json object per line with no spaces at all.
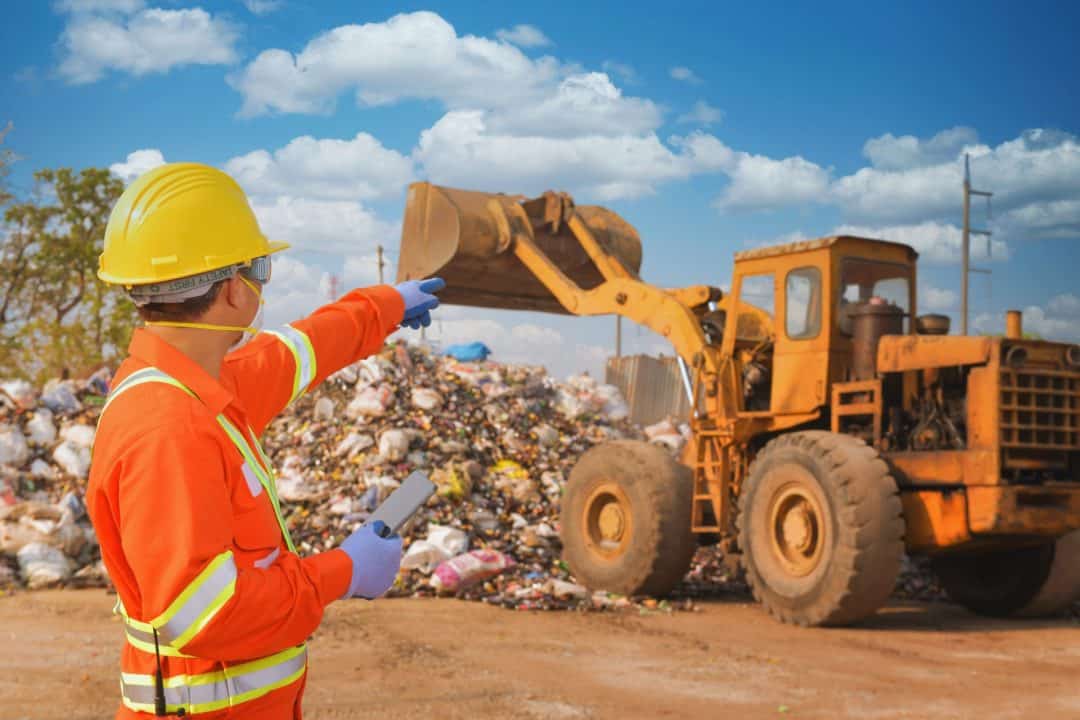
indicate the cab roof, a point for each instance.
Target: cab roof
{"x":819,"y":244}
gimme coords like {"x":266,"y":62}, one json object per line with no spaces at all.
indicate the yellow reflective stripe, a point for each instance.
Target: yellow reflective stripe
{"x":138,"y":378}
{"x":229,"y":687}
{"x":303,"y":352}
{"x":261,"y":472}
{"x":199,"y":602}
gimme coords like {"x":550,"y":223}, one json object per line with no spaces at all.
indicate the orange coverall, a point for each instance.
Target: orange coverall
{"x":174,"y":504}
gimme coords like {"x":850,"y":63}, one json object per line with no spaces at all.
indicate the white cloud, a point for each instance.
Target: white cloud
{"x":1058,"y":321}
{"x":933,"y":298}
{"x":582,"y":104}
{"x":759,"y":182}
{"x":263,"y":7}
{"x":325,"y":168}
{"x":149,"y":41}
{"x":523,"y":36}
{"x":462,"y":150}
{"x":1037,"y":170}
{"x":417,"y":55}
{"x":99,"y":6}
{"x":295,"y":290}
{"x":934,"y":241}
{"x":327,"y":226}
{"x":536,"y":335}
{"x":624,"y":72}
{"x":137,"y":163}
{"x":363,"y":270}
{"x":685,"y":74}
{"x":889,"y":152}
{"x":702,"y":114}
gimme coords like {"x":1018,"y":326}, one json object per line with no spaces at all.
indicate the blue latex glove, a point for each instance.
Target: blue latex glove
{"x":375,"y":561}
{"x":420,"y":300}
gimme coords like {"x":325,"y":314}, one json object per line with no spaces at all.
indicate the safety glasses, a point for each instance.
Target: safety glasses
{"x":259,"y":270}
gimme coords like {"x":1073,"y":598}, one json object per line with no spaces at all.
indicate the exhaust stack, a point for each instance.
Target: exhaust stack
{"x":1014,"y":325}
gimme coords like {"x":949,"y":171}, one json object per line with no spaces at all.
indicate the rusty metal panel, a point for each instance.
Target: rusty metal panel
{"x":935,"y":519}
{"x":652,"y":387}
{"x":945,"y":467}
{"x":897,"y":353}
{"x":1047,"y":510}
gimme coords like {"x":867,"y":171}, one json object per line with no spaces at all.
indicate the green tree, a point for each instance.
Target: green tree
{"x":55,"y":314}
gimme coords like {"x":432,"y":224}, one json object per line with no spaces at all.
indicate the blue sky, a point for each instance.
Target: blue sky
{"x":711,"y":128}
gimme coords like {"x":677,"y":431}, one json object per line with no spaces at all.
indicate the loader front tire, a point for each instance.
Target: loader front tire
{"x":625,"y":519}
{"x":1038,"y":581}
{"x":821,"y":529}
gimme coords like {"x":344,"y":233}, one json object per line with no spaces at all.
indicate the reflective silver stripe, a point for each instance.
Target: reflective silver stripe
{"x":229,"y":687}
{"x":199,"y":602}
{"x":267,"y":561}
{"x":303,"y":354}
{"x":252,"y":479}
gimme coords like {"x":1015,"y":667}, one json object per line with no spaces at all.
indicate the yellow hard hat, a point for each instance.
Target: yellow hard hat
{"x":177,"y":221}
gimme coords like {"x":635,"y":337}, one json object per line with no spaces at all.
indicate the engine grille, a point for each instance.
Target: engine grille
{"x":1040,"y":409}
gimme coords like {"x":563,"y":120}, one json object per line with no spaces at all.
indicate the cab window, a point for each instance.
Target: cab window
{"x":862,"y":280}
{"x":802,"y":303}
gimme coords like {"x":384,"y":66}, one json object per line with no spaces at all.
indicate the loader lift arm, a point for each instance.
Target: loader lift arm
{"x":503,"y":251}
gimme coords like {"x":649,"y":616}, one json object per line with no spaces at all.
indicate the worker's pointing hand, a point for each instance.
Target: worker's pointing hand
{"x":420,"y":300}
{"x":375,"y":560}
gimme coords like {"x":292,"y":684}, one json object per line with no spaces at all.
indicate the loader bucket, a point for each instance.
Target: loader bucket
{"x":465,"y":237}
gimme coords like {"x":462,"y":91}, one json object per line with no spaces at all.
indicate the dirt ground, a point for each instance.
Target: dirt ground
{"x":451,"y":659}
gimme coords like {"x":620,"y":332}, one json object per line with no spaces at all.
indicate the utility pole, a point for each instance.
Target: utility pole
{"x":618,"y":336}
{"x":378,"y":254}
{"x":966,"y":243}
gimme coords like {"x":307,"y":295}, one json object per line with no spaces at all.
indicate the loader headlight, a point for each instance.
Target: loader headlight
{"x":1072,"y":356}
{"x":1016,"y":356}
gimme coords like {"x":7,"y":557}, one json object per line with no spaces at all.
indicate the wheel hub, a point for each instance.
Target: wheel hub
{"x":611,"y":522}
{"x":796,"y":529}
{"x":608,"y":521}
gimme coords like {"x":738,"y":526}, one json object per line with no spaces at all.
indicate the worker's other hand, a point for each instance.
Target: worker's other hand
{"x":420,"y":300}
{"x":375,"y":560}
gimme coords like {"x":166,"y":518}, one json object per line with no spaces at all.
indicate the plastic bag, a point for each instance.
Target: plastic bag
{"x":81,"y":435}
{"x":59,"y":396}
{"x":41,"y":428}
{"x":468,"y":569}
{"x":21,"y":393}
{"x":393,"y":445}
{"x":426,"y":398}
{"x":43,"y":566}
{"x":370,"y":402}
{"x":324,"y":409}
{"x":450,"y":540}
{"x":73,"y":458}
{"x":423,"y":556}
{"x":13,"y":448}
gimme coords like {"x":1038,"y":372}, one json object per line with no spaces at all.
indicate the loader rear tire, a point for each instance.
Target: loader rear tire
{"x":821,"y":529}
{"x":625,"y":519}
{"x":1022,"y":582}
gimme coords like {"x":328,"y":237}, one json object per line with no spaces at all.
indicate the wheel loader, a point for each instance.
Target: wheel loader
{"x":834,"y":429}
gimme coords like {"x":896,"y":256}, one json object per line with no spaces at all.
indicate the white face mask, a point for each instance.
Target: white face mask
{"x":251,"y":331}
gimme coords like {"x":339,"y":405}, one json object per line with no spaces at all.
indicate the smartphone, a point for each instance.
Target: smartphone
{"x":403,"y":503}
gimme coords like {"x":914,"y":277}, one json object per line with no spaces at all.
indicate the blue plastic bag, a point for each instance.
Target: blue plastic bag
{"x":468,"y":352}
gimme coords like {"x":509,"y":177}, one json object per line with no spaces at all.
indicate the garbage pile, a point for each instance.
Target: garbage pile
{"x":497,"y":440}
{"x":45,"y":438}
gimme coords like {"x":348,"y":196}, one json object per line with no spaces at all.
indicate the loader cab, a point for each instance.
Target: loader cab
{"x":793,"y":332}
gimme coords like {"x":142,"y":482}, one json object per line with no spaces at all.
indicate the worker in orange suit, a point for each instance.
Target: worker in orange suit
{"x":216,"y":603}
